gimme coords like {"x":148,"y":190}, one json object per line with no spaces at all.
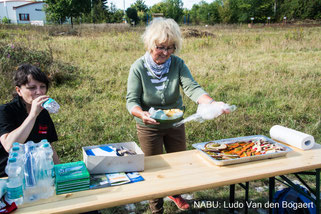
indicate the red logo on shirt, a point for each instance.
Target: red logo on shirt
{"x":43,"y":129}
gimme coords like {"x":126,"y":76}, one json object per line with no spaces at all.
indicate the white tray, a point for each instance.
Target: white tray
{"x":200,"y":146}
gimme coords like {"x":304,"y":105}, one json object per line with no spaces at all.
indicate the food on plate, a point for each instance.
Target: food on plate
{"x":241,"y":149}
{"x":214,"y":147}
{"x":169,"y":114}
{"x":172,"y":112}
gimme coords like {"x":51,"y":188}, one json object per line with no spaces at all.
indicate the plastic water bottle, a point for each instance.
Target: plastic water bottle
{"x":51,"y":105}
{"x":49,"y":161}
{"x":32,"y":191}
{"x":16,"y":144}
{"x":14,"y":184}
{"x":16,"y":153}
{"x":30,"y":164}
{"x":3,"y":187}
{"x":49,"y":153}
{"x":45,"y":180}
{"x":18,"y":150}
{"x":19,"y":158}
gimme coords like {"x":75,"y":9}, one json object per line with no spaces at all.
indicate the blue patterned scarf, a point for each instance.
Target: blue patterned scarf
{"x":157,"y":70}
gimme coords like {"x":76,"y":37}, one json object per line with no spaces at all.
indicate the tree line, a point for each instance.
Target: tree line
{"x":218,"y":11}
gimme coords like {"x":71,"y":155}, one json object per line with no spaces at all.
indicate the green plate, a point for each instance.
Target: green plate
{"x":171,"y":120}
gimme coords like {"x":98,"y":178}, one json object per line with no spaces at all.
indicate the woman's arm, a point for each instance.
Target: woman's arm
{"x":143,"y":115}
{"x":21,"y":133}
{"x":205,"y":99}
{"x":55,"y":155}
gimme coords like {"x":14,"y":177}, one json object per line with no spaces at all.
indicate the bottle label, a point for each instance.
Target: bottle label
{"x":14,"y":193}
{"x":50,"y":100}
{"x":51,"y":105}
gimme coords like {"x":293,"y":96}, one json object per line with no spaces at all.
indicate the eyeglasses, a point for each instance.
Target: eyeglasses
{"x":167,"y":49}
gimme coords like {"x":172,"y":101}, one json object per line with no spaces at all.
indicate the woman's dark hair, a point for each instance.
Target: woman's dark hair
{"x":24,"y":70}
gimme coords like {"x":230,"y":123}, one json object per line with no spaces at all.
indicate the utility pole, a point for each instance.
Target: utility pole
{"x":5,"y":5}
{"x":124,"y":18}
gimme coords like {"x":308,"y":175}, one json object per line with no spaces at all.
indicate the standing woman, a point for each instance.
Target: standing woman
{"x":24,"y":119}
{"x":154,"y":81}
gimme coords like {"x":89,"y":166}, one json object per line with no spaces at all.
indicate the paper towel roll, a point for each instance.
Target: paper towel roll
{"x":292,"y":137}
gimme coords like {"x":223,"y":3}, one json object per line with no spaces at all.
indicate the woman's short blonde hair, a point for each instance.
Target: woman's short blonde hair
{"x":162,"y":30}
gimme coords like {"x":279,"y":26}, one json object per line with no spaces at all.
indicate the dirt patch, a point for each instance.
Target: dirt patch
{"x":63,"y":31}
{"x":190,"y":32}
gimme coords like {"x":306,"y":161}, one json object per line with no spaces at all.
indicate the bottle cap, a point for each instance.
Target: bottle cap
{"x":15,"y":148}
{"x":16,"y":144}
{"x":12,"y":160}
{"x":14,"y":154}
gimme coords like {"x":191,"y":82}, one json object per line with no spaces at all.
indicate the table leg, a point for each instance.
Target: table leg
{"x":271,"y":191}
{"x":247,"y":184}
{"x":317,"y":190}
{"x":232,"y":197}
{"x":246,"y":188}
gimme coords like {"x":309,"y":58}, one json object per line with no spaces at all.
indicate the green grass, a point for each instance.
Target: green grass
{"x":272,"y":75}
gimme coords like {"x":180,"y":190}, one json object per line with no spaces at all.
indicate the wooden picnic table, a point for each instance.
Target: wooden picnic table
{"x":176,"y":173}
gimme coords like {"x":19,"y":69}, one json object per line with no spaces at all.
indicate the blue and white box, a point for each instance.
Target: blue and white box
{"x":104,"y":161}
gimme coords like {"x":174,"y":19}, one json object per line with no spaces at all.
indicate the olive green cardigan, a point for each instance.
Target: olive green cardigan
{"x":142,"y":88}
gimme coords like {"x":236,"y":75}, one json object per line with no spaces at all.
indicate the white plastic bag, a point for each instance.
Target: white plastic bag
{"x":207,"y":112}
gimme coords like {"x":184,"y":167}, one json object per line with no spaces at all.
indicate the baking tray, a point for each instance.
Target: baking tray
{"x":200,"y":146}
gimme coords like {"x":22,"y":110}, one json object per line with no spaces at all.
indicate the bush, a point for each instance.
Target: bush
{"x":6,"y":20}
{"x":12,"y":55}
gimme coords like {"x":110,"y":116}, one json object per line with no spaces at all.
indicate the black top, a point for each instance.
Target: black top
{"x":12,"y":116}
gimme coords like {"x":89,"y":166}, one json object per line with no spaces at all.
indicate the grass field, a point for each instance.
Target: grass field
{"x":272,"y":75}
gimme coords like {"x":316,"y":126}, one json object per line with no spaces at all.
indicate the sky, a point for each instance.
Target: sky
{"x":120,"y":3}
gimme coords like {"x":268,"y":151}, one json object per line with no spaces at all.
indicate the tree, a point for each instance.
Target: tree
{"x":214,"y":15}
{"x":170,"y":8}
{"x":114,"y":15}
{"x":174,"y":9}
{"x":195,"y":14}
{"x":132,"y":15}
{"x":236,"y":11}
{"x":141,"y":9}
{"x":56,"y":11}
{"x":158,"y":8}
{"x":99,"y":11}
{"x":300,"y":9}
{"x":229,"y":11}
{"x":59,"y":10}
{"x":206,"y":13}
{"x":258,"y":9}
{"x":140,"y":5}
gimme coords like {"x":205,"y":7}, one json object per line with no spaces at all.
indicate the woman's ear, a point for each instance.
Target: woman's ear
{"x":18,"y":90}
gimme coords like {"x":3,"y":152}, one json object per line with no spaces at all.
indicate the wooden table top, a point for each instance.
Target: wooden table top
{"x":176,"y":173}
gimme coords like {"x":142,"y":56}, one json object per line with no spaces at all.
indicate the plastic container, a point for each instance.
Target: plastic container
{"x":45,"y":168}
{"x":15,"y":183}
{"x":3,"y":187}
{"x":51,"y":106}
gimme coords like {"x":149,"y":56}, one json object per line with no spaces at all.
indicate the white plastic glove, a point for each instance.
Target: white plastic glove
{"x":207,"y":112}
{"x":213,"y":110}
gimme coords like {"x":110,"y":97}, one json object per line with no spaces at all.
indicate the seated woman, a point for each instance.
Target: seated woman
{"x":24,"y":119}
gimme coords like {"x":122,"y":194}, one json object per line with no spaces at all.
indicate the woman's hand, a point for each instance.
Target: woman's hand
{"x":36,"y":107}
{"x":145,"y":116}
{"x":223,"y":105}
